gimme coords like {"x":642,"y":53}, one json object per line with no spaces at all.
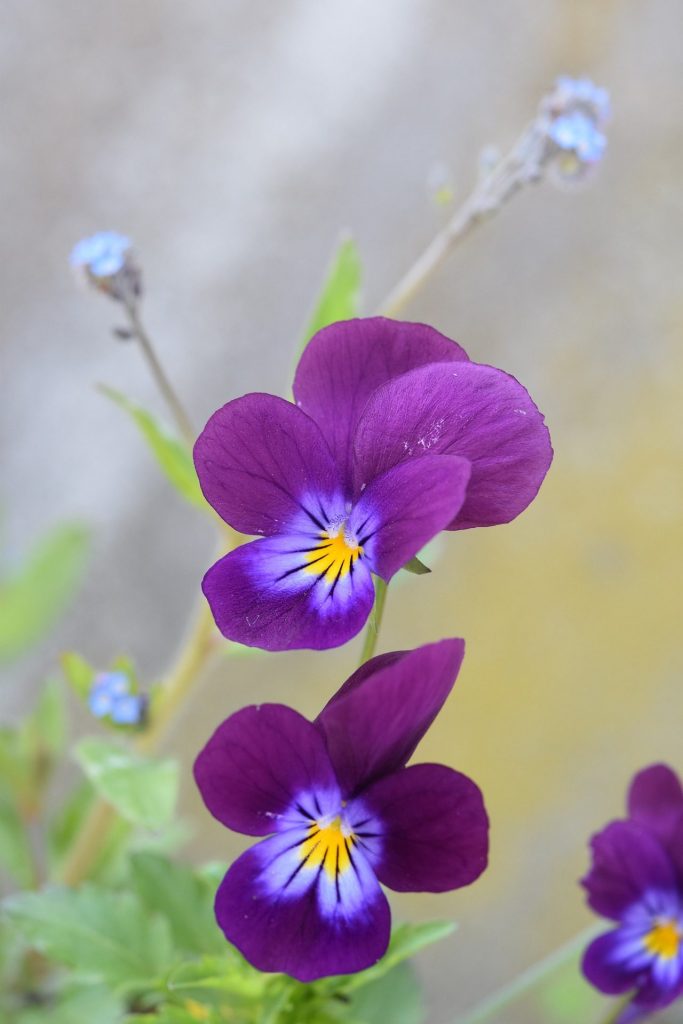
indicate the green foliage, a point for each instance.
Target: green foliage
{"x":395,"y":997}
{"x":78,"y":673}
{"x":107,"y":936}
{"x":183,"y":897}
{"x":173,"y":457}
{"x":28,"y":754}
{"x":406,"y":941}
{"x":33,"y":598}
{"x":15,"y":850}
{"x":340,"y":295}
{"x":75,"y":1006}
{"x":142,"y":790}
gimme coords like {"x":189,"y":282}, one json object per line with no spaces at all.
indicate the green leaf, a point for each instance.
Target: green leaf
{"x":110,"y":936}
{"x":32,"y":600}
{"x":340,"y":295}
{"x":172,"y":455}
{"x":15,"y":853}
{"x":406,"y":941}
{"x":395,"y":997}
{"x":79,"y":1006}
{"x":228,"y":975}
{"x":184,"y":898}
{"x":142,"y":790}
{"x":78,"y":673}
{"x":417,"y":567}
{"x":46,"y":726}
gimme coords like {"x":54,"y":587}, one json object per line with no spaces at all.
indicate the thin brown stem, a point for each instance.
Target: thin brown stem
{"x":494,"y":188}
{"x":175,"y":405}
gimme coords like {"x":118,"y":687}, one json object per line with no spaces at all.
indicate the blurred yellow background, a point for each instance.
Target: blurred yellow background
{"x":232,"y":141}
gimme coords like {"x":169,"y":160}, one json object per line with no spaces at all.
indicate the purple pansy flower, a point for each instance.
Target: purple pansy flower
{"x":394,"y":437}
{"x":637,"y":880}
{"x":342,"y":813}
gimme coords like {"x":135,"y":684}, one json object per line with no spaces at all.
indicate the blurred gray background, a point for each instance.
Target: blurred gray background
{"x":233,"y":141}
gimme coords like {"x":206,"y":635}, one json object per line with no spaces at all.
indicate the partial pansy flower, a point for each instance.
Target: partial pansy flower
{"x":636,"y":880}
{"x":343,"y":816}
{"x":395,"y":436}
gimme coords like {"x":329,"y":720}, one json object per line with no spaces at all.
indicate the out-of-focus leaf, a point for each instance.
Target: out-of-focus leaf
{"x":395,"y":997}
{"x":191,"y":1012}
{"x":567,"y":997}
{"x":142,"y":790}
{"x":78,"y":672}
{"x":171,"y":454}
{"x":184,"y":898}
{"x":229,"y":975}
{"x":110,"y":936}
{"x":32,"y":599}
{"x":417,"y":567}
{"x":94,"y":1003}
{"x":45,"y":728}
{"x":341,"y":291}
{"x":15,"y":853}
{"x":406,"y":941}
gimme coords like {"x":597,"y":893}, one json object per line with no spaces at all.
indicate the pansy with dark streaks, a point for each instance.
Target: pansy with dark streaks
{"x":394,"y":437}
{"x":636,"y":879}
{"x":343,"y":816}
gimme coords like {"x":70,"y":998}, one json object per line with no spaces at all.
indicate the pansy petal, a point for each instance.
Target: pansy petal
{"x":655,"y":801}
{"x":373,"y":727}
{"x":257,"y":765}
{"x":627,"y":863}
{"x":265,"y":594}
{"x":260,"y":461}
{"x":434,"y":829}
{"x":404,"y":508}
{"x":474,"y":411}
{"x":604,"y":966}
{"x":285,"y":916}
{"x":343,"y":364}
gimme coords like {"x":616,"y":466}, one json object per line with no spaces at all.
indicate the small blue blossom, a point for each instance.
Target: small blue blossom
{"x":577,"y":133}
{"x":581,"y":92}
{"x":103,"y":254}
{"x":110,"y":697}
{"x":129,"y":710}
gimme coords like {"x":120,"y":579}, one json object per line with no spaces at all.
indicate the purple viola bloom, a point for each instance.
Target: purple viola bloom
{"x":394,"y":437}
{"x":636,"y":879}
{"x":343,"y":816}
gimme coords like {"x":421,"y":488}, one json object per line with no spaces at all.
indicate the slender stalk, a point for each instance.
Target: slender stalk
{"x":179,"y":681}
{"x":615,"y":1013}
{"x":175,"y":405}
{"x":524,"y":982}
{"x":375,"y":620}
{"x":520,"y":166}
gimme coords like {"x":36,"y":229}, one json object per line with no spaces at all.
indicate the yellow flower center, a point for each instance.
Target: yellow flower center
{"x":664,"y":939}
{"x":328,"y":845}
{"x":333,"y":557}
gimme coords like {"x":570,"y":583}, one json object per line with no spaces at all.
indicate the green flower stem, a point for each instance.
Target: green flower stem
{"x":617,"y":1011}
{"x":375,"y":620}
{"x":491,"y":191}
{"x":175,"y":405}
{"x":191,"y":660}
{"x":528,"y":980}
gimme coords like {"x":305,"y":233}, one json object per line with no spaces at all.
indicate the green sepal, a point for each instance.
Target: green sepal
{"x":171,"y":454}
{"x":406,"y":941}
{"x":417,"y":567}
